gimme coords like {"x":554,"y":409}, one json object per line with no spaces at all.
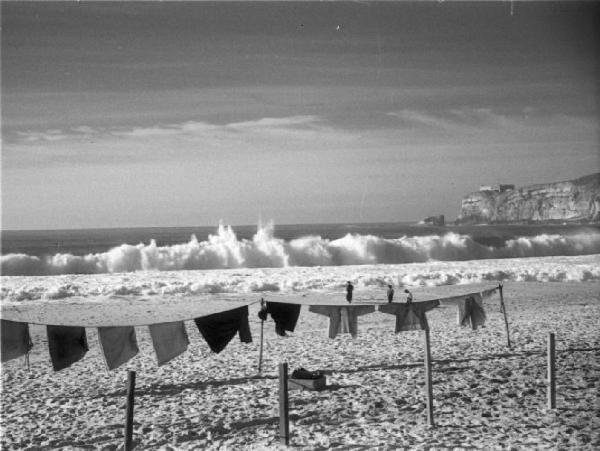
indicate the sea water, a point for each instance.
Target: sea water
{"x":224,"y":259}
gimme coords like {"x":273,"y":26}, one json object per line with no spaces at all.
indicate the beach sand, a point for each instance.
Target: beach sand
{"x":486,"y":395}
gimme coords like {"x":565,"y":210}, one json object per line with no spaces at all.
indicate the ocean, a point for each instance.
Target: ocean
{"x":188,"y":260}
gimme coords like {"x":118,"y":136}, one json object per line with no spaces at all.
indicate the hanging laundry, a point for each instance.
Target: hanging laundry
{"x":470,"y":308}
{"x":334,"y":314}
{"x":285,"y":316}
{"x":471,"y":312}
{"x":342,"y":319}
{"x":67,"y":345}
{"x":219,"y":328}
{"x":410,"y":316}
{"x":453,"y":300}
{"x":118,"y":345}
{"x":169,"y":340}
{"x":16,"y":340}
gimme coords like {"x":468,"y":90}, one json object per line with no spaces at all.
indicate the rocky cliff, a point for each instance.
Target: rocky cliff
{"x":570,"y":201}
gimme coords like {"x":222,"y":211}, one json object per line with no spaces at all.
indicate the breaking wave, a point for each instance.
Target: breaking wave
{"x":225,"y":251}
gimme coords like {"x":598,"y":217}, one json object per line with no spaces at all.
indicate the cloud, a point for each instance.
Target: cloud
{"x":191,"y":139}
{"x":312,"y":135}
{"x":185,"y":128}
{"x":278,"y":122}
{"x":411,"y":118}
{"x":523,"y":124}
{"x":48,"y":135}
{"x":454,"y":119}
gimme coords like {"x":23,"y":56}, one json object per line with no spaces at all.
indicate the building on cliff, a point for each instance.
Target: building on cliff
{"x":497,"y":188}
{"x":575,"y":201}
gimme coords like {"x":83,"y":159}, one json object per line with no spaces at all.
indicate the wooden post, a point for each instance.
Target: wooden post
{"x":262,"y":327}
{"x":129,"y":411}
{"x":428,"y":381}
{"x":284,"y":415}
{"x":260,"y":352}
{"x":505,"y":317}
{"x":551,"y":372}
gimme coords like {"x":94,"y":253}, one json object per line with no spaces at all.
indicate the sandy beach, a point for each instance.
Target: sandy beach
{"x":164,"y":161}
{"x":486,"y":396}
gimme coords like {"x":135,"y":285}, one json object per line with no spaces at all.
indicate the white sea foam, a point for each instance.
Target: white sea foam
{"x":224,"y":250}
{"x":297,"y":279}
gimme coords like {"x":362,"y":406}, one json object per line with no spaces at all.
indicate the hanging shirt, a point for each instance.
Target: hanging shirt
{"x":219,"y":329}
{"x":15,"y":340}
{"x":410,"y":316}
{"x":169,"y":340}
{"x":285,"y":316}
{"x":66,"y":344}
{"x":342,"y":318}
{"x":118,"y":345}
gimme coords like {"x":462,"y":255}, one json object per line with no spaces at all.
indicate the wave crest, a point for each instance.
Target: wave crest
{"x":225,"y":251}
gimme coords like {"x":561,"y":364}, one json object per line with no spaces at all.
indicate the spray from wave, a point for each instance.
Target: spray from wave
{"x":225,"y":251}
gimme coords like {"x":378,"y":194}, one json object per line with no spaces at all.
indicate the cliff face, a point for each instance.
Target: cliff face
{"x":572,"y":201}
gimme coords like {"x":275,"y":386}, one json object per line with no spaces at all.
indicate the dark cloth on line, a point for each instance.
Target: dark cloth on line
{"x":285,"y":316}
{"x":262,"y":313}
{"x":219,"y":329}
{"x":410,"y":316}
{"x":470,"y":311}
{"x":169,"y":340}
{"x":67,"y":345}
{"x":390,"y":294}
{"x":342,"y":319}
{"x":16,"y":340}
{"x":118,"y":344}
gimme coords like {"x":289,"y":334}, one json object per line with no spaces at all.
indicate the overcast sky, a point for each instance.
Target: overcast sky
{"x":182,"y":114}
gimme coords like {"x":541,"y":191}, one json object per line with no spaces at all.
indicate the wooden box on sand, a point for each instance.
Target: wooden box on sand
{"x":307,"y":384}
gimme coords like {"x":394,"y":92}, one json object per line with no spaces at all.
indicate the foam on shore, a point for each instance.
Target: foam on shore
{"x":295,"y":279}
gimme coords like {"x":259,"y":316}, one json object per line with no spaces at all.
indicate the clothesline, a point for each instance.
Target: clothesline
{"x":135,"y":311}
{"x":68,"y":343}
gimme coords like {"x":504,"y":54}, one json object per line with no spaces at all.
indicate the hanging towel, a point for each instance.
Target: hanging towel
{"x":118,"y":345}
{"x":67,"y":345}
{"x":410,"y":316}
{"x":471,"y":312}
{"x":169,"y":340}
{"x":285,"y":316}
{"x":342,"y":319}
{"x":333,"y":312}
{"x":16,"y":340}
{"x":219,"y":328}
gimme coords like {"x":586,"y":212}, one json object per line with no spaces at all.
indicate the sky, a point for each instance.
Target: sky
{"x":180,"y":114}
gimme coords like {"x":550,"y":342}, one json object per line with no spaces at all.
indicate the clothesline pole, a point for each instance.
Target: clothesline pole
{"x":260,"y":352}
{"x":284,"y":415}
{"x":503,"y":307}
{"x":551,"y":372}
{"x":129,"y":411}
{"x":428,"y":380}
